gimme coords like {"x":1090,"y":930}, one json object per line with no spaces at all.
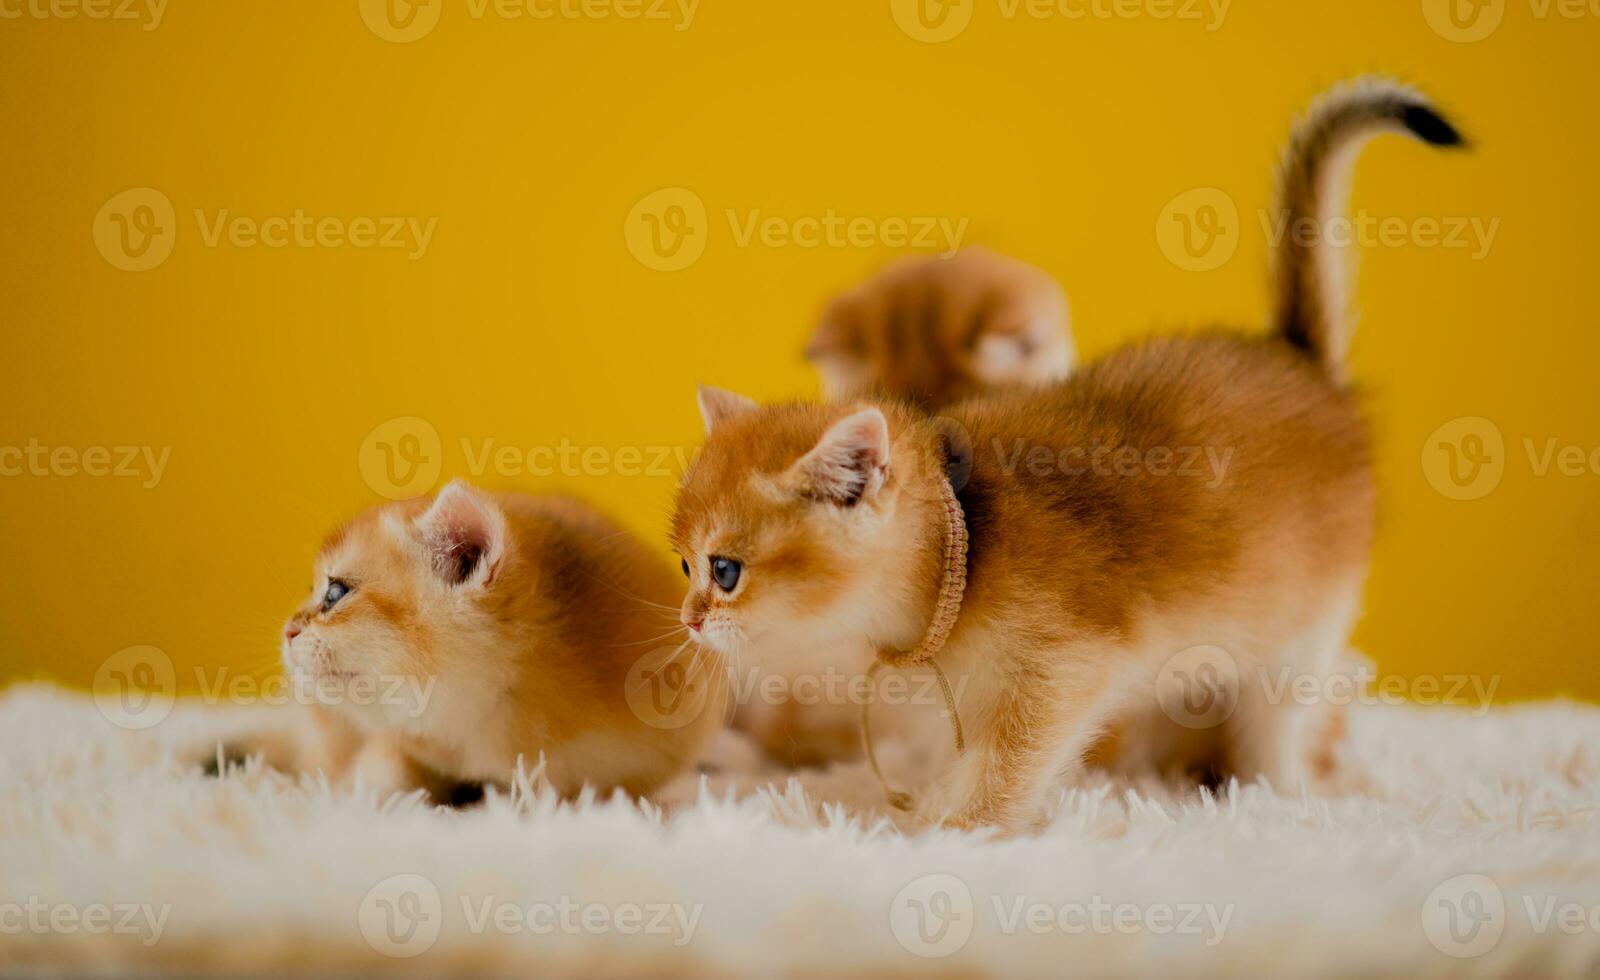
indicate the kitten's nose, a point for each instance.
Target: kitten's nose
{"x":291,"y":631}
{"x":694,"y":623}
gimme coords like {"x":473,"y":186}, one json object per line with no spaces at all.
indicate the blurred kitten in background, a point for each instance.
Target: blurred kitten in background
{"x":933,"y":331}
{"x":446,"y":638}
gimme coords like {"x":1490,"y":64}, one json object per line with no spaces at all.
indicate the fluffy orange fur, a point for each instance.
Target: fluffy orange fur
{"x":504,"y":626}
{"x":1210,"y":491}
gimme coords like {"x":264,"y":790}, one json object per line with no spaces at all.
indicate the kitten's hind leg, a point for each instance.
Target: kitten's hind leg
{"x":1290,"y":709}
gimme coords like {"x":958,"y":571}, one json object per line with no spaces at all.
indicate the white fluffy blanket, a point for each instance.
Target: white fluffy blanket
{"x":1473,"y":850}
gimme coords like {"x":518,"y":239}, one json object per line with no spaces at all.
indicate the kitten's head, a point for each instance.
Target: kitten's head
{"x":405,"y":595}
{"x":791,"y":521}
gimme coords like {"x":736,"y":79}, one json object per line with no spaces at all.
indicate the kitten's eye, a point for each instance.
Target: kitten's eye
{"x":725,"y":571}
{"x":686,"y":568}
{"x":337,"y":589}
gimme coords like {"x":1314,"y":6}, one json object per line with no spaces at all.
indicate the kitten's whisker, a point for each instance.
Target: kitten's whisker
{"x":654,"y":639}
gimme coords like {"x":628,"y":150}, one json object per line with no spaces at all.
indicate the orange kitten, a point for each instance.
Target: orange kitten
{"x":446,"y":638}
{"x":1205,"y":502}
{"x":935,"y":330}
{"x":930,"y":331}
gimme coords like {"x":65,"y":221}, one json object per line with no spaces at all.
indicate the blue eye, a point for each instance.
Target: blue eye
{"x":725,"y":572}
{"x":337,"y":589}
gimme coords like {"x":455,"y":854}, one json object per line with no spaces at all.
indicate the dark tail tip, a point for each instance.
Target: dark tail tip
{"x":1430,"y":127}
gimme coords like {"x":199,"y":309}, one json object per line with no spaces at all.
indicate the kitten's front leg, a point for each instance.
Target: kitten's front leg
{"x":1041,"y":717}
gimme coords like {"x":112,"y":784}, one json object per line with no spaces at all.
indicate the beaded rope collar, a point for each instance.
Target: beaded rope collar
{"x":952,"y":587}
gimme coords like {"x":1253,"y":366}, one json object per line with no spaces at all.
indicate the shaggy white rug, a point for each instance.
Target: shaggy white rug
{"x":1473,"y":850}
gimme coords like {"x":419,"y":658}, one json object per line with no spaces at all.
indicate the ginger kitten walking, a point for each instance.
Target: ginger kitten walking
{"x":1188,"y":492}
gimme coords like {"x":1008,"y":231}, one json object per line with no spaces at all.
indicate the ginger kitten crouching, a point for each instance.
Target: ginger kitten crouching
{"x":1185,"y":508}
{"x":501,"y":626}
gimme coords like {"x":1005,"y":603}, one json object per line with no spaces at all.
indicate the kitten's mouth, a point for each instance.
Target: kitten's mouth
{"x":318,"y":671}
{"x":715,"y":636}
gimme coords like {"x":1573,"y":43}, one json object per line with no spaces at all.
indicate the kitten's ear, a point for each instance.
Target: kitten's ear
{"x":464,"y":532}
{"x":717,"y":406}
{"x":849,"y":463}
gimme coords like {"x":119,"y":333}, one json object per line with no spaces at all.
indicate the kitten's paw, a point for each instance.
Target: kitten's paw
{"x":224,"y":757}
{"x":463,"y":795}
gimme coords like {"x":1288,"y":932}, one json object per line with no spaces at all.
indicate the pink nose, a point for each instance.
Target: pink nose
{"x":694,"y":624}
{"x":291,"y":631}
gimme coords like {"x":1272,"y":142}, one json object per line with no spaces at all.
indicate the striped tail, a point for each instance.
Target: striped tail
{"x":1313,"y":190}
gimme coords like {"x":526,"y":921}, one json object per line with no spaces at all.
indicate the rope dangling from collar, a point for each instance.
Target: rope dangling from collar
{"x":952,"y":587}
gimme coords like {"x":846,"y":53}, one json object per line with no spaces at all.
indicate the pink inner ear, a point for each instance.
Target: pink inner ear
{"x":848,"y":463}
{"x":463,"y":532}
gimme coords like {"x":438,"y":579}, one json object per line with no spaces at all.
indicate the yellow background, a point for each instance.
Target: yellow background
{"x":528,"y":321}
